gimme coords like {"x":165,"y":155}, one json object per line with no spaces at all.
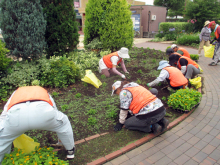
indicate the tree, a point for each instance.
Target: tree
{"x":62,"y":29}
{"x":201,"y":11}
{"x":23,"y":26}
{"x":174,"y":5}
{"x":110,"y":22}
{"x":176,"y":12}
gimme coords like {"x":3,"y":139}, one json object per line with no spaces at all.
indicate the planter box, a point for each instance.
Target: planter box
{"x":185,"y":111}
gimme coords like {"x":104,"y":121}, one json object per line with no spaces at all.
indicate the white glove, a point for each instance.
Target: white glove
{"x":123,"y":76}
{"x":127,"y":72}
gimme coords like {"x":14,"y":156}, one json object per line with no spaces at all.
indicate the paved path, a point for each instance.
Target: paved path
{"x":196,"y":140}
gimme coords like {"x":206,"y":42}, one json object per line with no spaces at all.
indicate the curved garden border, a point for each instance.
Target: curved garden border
{"x":139,"y":142}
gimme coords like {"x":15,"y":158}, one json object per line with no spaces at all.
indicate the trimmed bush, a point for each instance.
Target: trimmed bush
{"x":23,"y":26}
{"x":179,"y":26}
{"x":110,"y":22}
{"x":62,"y":29}
{"x":4,"y":61}
{"x":188,"y":39}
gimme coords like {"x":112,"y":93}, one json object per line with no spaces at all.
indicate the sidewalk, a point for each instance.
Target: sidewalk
{"x":196,"y":140}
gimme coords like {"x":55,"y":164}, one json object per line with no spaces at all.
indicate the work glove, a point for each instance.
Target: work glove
{"x":212,"y":41}
{"x":118,"y":127}
{"x":123,"y":76}
{"x":148,"y":85}
{"x":127,"y":72}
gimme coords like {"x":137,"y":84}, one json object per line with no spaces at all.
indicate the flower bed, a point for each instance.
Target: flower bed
{"x":184,"y":100}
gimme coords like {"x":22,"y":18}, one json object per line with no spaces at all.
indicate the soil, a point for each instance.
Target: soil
{"x":142,"y":69}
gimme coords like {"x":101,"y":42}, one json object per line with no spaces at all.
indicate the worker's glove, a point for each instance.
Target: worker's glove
{"x":123,"y":76}
{"x":212,"y":41}
{"x":118,"y":127}
{"x":127,"y":72}
{"x":148,"y":85}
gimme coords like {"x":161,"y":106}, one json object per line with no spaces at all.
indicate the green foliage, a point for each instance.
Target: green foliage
{"x":103,"y":76}
{"x":92,"y":112}
{"x":22,"y":74}
{"x":188,"y":39}
{"x":139,"y":71}
{"x":184,"y":99}
{"x":202,"y":11}
{"x":164,"y":98}
{"x":4,"y":61}
{"x":23,"y":26}
{"x":55,"y":94}
{"x":194,"y":56}
{"x":43,"y":155}
{"x":35,"y":83}
{"x":92,"y":121}
{"x":62,"y":29}
{"x":168,"y":48}
{"x":94,"y":44}
{"x":78,"y":95}
{"x":105,"y":52}
{"x":64,"y":107}
{"x":110,"y":22}
{"x":104,"y":84}
{"x":58,"y":72}
{"x":111,"y":114}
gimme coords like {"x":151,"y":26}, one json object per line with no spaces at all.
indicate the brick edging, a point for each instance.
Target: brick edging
{"x":139,"y":142}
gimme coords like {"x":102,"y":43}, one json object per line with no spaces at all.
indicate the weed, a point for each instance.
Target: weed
{"x":92,"y":121}
{"x":64,"y":107}
{"x":148,"y":48}
{"x":139,"y":71}
{"x":78,"y":95}
{"x":159,"y":84}
{"x":103,"y":76}
{"x":55,"y":94}
{"x":111,"y":114}
{"x":92,"y":112}
{"x":86,"y":100}
{"x":138,"y":81}
{"x":154,"y":61}
{"x":74,"y":89}
{"x":164,"y":98}
{"x":144,"y":61}
{"x":104,"y":84}
{"x":85,"y":84}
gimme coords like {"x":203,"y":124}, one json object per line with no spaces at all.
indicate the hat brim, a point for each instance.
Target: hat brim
{"x":124,"y":56}
{"x":163,"y":66}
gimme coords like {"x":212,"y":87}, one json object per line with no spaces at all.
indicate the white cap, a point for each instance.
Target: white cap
{"x":123,"y":53}
{"x":173,"y":46}
{"x":115,"y":86}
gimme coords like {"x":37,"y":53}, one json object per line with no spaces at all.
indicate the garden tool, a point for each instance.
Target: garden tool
{"x":25,"y":143}
{"x":91,"y":79}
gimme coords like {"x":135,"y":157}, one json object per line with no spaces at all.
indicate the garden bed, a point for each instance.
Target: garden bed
{"x":94,"y":111}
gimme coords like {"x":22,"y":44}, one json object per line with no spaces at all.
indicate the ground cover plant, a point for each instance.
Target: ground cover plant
{"x":91,"y":110}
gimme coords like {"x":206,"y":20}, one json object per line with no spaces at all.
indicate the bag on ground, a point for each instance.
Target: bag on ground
{"x":25,"y":143}
{"x":91,"y":79}
{"x":209,"y":51}
{"x":196,"y":82}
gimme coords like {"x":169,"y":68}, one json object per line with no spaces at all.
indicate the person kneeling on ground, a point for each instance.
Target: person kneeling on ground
{"x":174,"y":76}
{"x":31,"y":107}
{"x":180,"y":50}
{"x":146,"y":109}
{"x":188,"y":67}
{"x":108,"y":63}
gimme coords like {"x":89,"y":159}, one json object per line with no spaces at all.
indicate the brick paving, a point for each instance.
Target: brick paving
{"x":196,"y":140}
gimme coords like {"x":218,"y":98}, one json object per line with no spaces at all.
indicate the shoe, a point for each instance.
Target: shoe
{"x":212,"y":64}
{"x":164,"y":123}
{"x":156,"y":128}
{"x":70,"y":154}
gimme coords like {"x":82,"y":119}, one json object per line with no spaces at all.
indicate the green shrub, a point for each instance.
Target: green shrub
{"x":92,"y":112}
{"x":184,"y":99}
{"x":23,"y":26}
{"x":92,"y":121}
{"x":179,"y":27}
{"x":78,"y":95}
{"x":94,"y":44}
{"x":22,"y":74}
{"x":62,"y":29}
{"x":194,"y":56}
{"x":35,"y":83}
{"x":58,"y":72}
{"x":188,"y":39}
{"x":110,"y":21}
{"x":167,"y":48}
{"x":4,"y":61}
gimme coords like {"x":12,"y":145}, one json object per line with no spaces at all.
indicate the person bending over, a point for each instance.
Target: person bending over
{"x":108,"y":63}
{"x":180,"y":50}
{"x":174,"y":76}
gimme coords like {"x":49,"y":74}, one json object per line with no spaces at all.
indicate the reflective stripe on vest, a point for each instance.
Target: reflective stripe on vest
{"x":107,"y":59}
{"x":29,"y":93}
{"x":141,"y":97}
{"x":190,"y":61}
{"x":176,"y":77}
{"x":216,"y":32}
{"x":185,"y":52}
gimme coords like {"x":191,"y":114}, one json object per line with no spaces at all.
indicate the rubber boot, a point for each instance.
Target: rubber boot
{"x":164,"y":123}
{"x":156,"y":128}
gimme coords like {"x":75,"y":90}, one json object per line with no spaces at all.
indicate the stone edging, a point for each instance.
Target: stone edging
{"x":139,"y":142}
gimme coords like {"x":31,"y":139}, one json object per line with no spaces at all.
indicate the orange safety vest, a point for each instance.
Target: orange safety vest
{"x":176,"y":77}
{"x":107,"y":59}
{"x":141,"y":97}
{"x":190,"y":61}
{"x":175,"y":53}
{"x":185,"y":52}
{"x":216,"y":32}
{"x":29,"y":93}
